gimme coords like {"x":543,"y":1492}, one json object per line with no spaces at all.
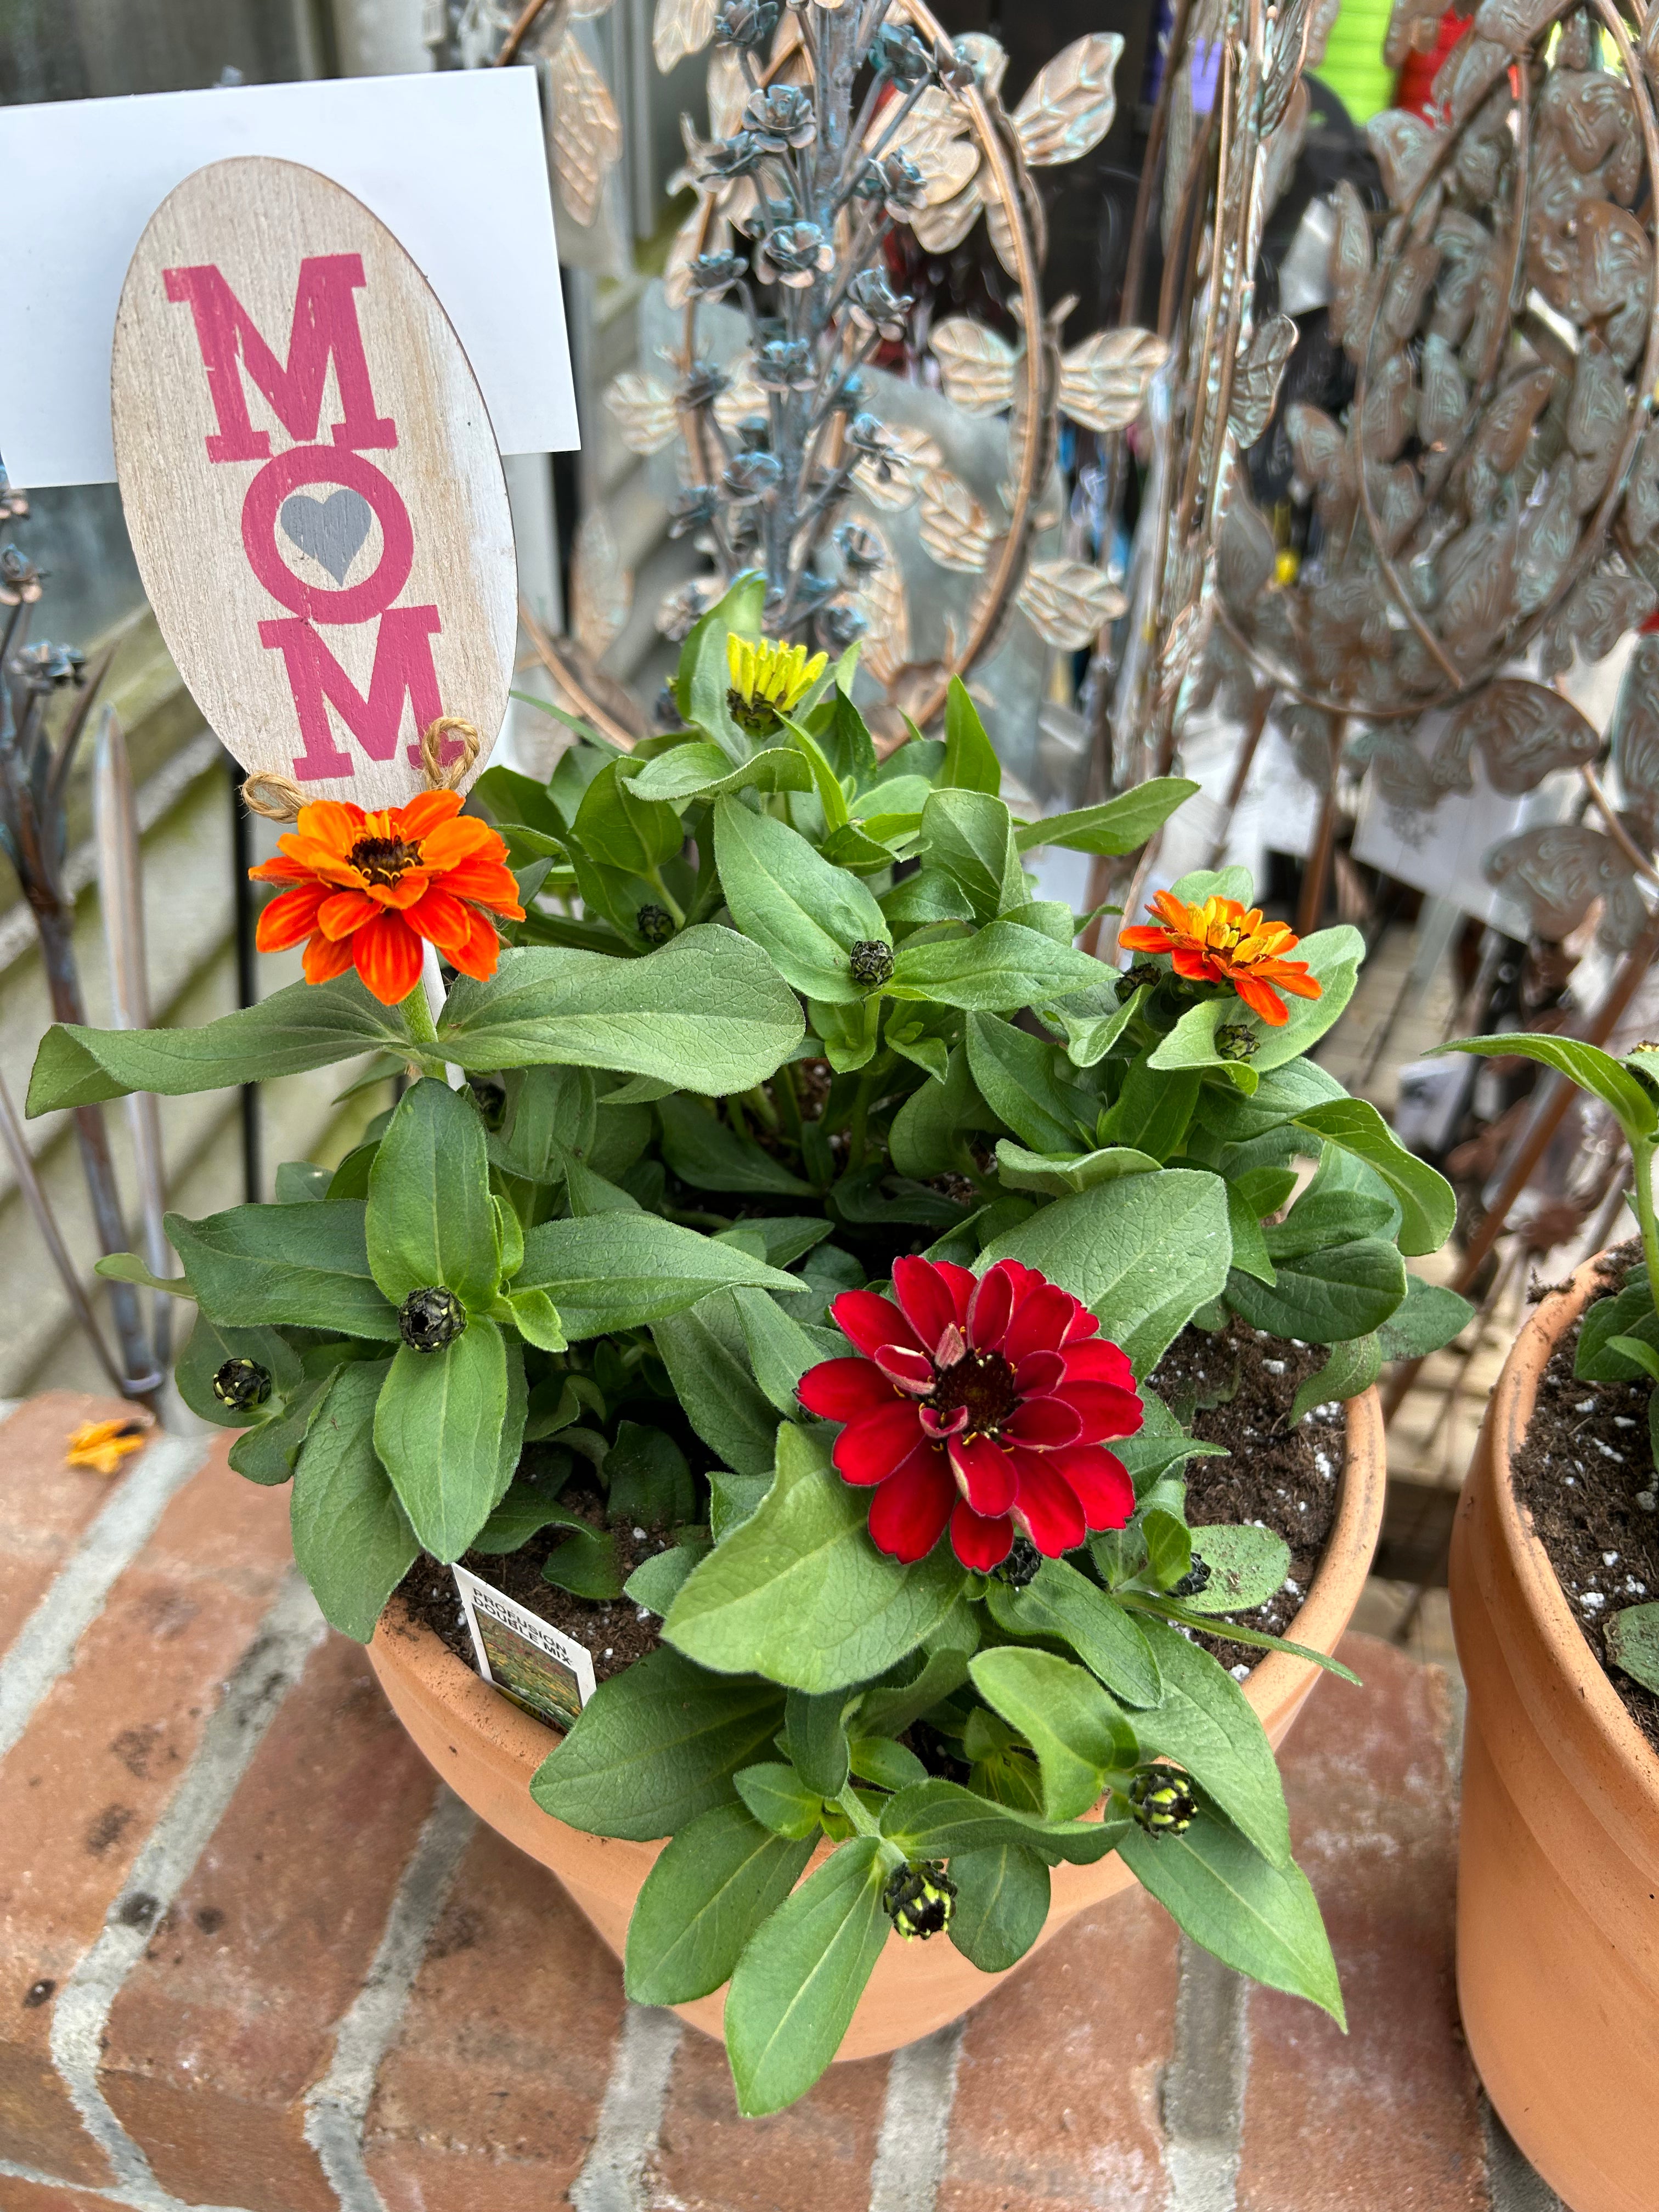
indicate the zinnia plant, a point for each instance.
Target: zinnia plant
{"x":813,"y":1200}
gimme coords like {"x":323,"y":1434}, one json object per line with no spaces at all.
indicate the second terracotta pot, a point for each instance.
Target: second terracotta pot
{"x":1558,"y":1881}
{"x":486,"y":1750}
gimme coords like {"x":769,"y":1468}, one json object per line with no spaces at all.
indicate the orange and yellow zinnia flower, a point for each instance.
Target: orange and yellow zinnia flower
{"x":368,"y":889}
{"x":102,"y":1445}
{"x":1223,"y":942}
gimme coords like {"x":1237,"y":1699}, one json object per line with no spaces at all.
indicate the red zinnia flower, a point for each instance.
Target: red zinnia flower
{"x":369,"y":890}
{"x":979,"y":1400}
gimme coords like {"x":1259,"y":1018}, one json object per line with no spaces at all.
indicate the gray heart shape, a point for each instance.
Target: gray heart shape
{"x":331,"y":530}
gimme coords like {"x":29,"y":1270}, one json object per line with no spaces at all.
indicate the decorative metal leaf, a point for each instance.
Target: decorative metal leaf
{"x":1554,"y":872}
{"x":1320,"y":454}
{"x":948,"y":168}
{"x":681,"y":27}
{"x":1246,"y":555}
{"x":644,"y":413}
{"x":1397,"y":502}
{"x":1387,"y":418}
{"x":743,"y":398}
{"x":1506,"y":424}
{"x":1443,"y":403}
{"x":955,"y":528}
{"x":585,"y":132}
{"x":913,"y":454}
{"x":695,"y":235}
{"x":884,"y":603}
{"x":1548,"y":535}
{"x":1634,"y":732}
{"x":1278,"y":154}
{"x":1477,"y":571}
{"x":1397,"y":767}
{"x":990,"y":57}
{"x":1281,"y":77}
{"x":942,"y":229}
{"x":1513,"y":24}
{"x":1524,"y":731}
{"x":1102,"y":382}
{"x":1069,"y":106}
{"x":678,"y":612}
{"x":1351,"y":268}
{"x":1404,"y":145}
{"x":1615,"y":259}
{"x":998,"y":226}
{"x":1068,"y":604}
{"x":1641,"y":493}
{"x":601,"y":588}
{"x":1601,"y":607}
{"x":1255,"y":379}
{"x":976,"y":367}
{"x":728,"y":92}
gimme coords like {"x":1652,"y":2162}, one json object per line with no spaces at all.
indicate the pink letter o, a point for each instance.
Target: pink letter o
{"x":334,"y":464}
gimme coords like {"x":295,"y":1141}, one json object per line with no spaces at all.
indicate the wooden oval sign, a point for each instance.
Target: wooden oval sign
{"x":311,"y":482}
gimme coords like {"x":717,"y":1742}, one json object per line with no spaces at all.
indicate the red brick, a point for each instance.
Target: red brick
{"x":1387,"y":2115}
{"x":45,"y":1506}
{"x":100,"y":1761}
{"x":1057,"y":2092}
{"x":229,"y":2019}
{"x":47,"y":2197}
{"x":491,"y":2097}
{"x":819,"y":2152}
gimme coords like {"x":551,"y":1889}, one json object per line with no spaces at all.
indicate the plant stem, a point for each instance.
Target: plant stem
{"x":667,"y":897}
{"x":849,"y":1804}
{"x":1641,"y":1151}
{"x":418,"y":1015}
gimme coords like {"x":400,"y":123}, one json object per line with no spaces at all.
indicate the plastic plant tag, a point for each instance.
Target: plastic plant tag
{"x":526,"y":1658}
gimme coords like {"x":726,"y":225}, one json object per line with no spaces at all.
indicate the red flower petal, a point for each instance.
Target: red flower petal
{"x":842,"y":1389}
{"x":289,"y":918}
{"x":388,"y":956}
{"x":1197,"y":966}
{"x":977,"y":1541}
{"x":908,"y":1512}
{"x":935,"y":1424}
{"x":1040,"y":1372}
{"x":872,"y":1446}
{"x":324,"y":959}
{"x":907,"y":1370}
{"x":932,"y":1295}
{"x":1105,"y":1412}
{"x":1044,"y":1423}
{"x":1261,"y":1000}
{"x":481,"y":951}
{"x":872,"y":1322}
{"x":343,"y":912}
{"x":1047,"y":1509}
{"x":1083,"y":1323}
{"x":1039,"y":1322}
{"x":990,"y":1307}
{"x":1100,"y":1361}
{"x":1101,"y":1481}
{"x":984,"y":1473}
{"x":1144,"y":936}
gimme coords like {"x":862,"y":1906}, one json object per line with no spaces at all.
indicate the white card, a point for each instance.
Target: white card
{"x":454,"y":163}
{"x":530,"y":1660}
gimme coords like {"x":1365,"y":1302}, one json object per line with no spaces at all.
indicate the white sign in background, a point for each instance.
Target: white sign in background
{"x":452,"y":162}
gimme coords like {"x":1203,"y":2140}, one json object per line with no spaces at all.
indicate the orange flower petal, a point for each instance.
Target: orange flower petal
{"x":1261,"y":1000}
{"x":465,"y":838}
{"x":479,"y":955}
{"x":388,"y":956}
{"x":324,"y":959}
{"x":407,"y":891}
{"x":486,"y":883}
{"x":289,"y":918}
{"x":344,"y":911}
{"x":1141,"y":939}
{"x":425,"y":810}
{"x":442,"y":918}
{"x":1292,"y":976}
{"x":1197,"y":966}
{"x":336,"y":824}
{"x":282,"y":869}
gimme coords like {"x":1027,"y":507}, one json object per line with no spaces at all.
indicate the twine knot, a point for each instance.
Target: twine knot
{"x":279,"y":798}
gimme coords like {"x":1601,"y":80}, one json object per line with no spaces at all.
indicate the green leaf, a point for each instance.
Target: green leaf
{"x":1002,"y":1902}
{"x":807,"y":912}
{"x":890,"y":1711}
{"x":305,"y":1266}
{"x":970,"y":836}
{"x":1628,"y":1315}
{"x":970,"y":760}
{"x":1431,"y":1316}
{"x":784,"y":1237}
{"x":656,"y":1746}
{"x":526,"y":1509}
{"x":438,"y":1430}
{"x":1117,"y":825}
{"x":535,"y":1317}
{"x":800,"y":1977}
{"x":1586,"y":1064}
{"x":800,"y":1594}
{"x":1639,"y":1354}
{"x":1281,"y":1094}
{"x":430,"y":1216}
{"x":707,"y":1012}
{"x":1250,"y":1254}
{"x":1144,"y":1252}
{"x":937,"y":1820}
{"x":931,"y":895}
{"x":1247,"y":1566}
{"x":818,"y":1738}
{"x":780,"y":1800}
{"x":620,"y":830}
{"x":780,"y":1349}
{"x":207,"y":1351}
{"x":1061,"y":1603}
{"x":1078,"y":1732}
{"x":732,"y":1498}
{"x":887,"y":1765}
{"x":831,"y":797}
{"x":584,"y":1563}
{"x":606,"y":1271}
{"x":1016,"y":1077}
{"x":1055,"y":1175}
{"x":352,"y":1541}
{"x":1324,"y":1217}
{"x":655,"y":1583}
{"x":1169,"y":1545}
{"x":710,"y":1889}
{"x":703,"y":1151}
{"x":1152,"y":1111}
{"x":923,"y":1139}
{"x":266,"y":1454}
{"x":1261,"y":1918}
{"x":305,"y":1026}
{"x":1324,"y":1296}
{"x":708,"y":1361}
{"x":1333,"y":958}
{"x":1207,"y":1725}
{"x":128,"y":1267}
{"x":702,"y":771}
{"x":1090,"y":1033}
{"x":1427,"y":1204}
{"x":1632,"y":1640}
{"x":1353,"y":1366}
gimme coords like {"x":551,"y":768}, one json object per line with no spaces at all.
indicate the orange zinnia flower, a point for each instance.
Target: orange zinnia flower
{"x":1223,"y":942}
{"x":368,"y":888}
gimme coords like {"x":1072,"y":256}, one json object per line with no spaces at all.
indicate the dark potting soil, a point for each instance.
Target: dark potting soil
{"x":1582,"y":1474}
{"x":1234,"y":1388}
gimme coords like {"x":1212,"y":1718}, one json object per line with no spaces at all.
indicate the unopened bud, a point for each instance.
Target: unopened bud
{"x":241,"y":1384}
{"x":1161,"y":1801}
{"x":920,"y":1899}
{"x":871,"y":961}
{"x":428,"y":1320}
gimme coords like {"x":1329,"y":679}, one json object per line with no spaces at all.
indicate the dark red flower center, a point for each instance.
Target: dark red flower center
{"x":383,"y":859}
{"x":984,"y":1382}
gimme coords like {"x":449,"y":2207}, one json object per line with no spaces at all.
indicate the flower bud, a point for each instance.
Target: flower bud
{"x":1161,"y":1801}
{"x":654,"y":923}
{"x":1021,"y":1565}
{"x":428,"y":1319}
{"x":489,"y":1097}
{"x":241,"y":1384}
{"x":1233,"y":1041}
{"x":871,"y":961}
{"x":1196,"y":1579}
{"x":1145,"y":973}
{"x":920,"y":1899}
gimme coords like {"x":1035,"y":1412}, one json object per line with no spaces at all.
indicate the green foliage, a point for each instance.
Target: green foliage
{"x":721,"y":1876}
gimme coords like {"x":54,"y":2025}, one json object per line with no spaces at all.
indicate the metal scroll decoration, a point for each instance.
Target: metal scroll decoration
{"x":1491,"y":499}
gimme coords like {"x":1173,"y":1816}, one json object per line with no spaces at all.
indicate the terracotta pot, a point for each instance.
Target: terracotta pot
{"x":1557,"y":1927}
{"x":486,"y":1750}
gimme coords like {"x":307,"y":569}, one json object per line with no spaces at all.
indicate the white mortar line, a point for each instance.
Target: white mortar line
{"x":45,"y":1646}
{"x":1204,"y":2087}
{"x":338,"y":2104}
{"x":612,"y":2179}
{"x":266,"y":1672}
{"x":915,"y":2123}
{"x":139,"y":2200}
{"x":1515,"y":2185}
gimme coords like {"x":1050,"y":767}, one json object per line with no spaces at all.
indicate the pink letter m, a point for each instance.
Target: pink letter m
{"x":403,"y":669}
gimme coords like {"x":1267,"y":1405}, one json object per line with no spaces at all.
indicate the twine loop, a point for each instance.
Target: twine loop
{"x":279,"y":798}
